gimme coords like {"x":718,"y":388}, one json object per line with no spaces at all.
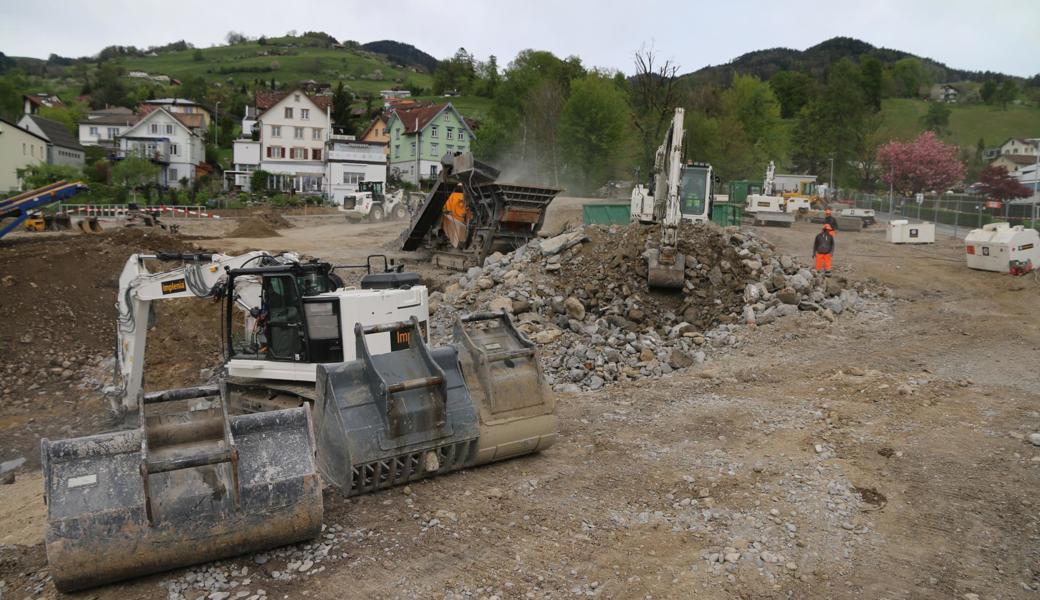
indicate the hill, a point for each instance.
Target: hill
{"x":968,"y":123}
{"x":405,"y":54}
{"x":815,"y":60}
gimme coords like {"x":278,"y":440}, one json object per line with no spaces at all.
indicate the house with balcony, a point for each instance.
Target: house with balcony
{"x":377,"y":132}
{"x":293,"y":128}
{"x":171,"y":140}
{"x":349,"y":161}
{"x":178,"y":106}
{"x":420,"y":137}
{"x":104,"y":126}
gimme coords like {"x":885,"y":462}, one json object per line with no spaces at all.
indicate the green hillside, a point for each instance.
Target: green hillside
{"x":968,"y":123}
{"x":285,"y":62}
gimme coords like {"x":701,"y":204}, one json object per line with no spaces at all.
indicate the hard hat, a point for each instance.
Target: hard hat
{"x":827,"y":227}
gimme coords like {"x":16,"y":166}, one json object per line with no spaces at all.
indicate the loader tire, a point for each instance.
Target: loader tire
{"x":400,"y":213}
{"x":377,"y":214}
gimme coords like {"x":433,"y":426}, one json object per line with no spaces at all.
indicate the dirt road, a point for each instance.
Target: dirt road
{"x":882,"y":456}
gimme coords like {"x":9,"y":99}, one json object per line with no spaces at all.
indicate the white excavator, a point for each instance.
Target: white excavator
{"x":769,"y":209}
{"x":324,"y":384}
{"x":677,"y":193}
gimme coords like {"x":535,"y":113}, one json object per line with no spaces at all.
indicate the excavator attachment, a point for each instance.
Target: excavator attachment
{"x":186,"y":487}
{"x":391,"y":418}
{"x":516,"y":407}
{"x":89,"y":225}
{"x":666,"y":268}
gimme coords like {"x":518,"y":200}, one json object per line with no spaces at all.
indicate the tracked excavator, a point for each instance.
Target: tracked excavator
{"x":677,"y":193}
{"x":233,"y":467}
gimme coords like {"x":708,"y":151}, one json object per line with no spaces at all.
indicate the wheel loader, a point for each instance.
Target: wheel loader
{"x":218,"y":470}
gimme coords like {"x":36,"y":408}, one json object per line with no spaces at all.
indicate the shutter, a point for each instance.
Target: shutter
{"x":316,"y":154}
{"x":268,"y":152}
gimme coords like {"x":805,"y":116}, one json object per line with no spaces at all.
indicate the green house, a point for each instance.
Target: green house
{"x":420,"y":137}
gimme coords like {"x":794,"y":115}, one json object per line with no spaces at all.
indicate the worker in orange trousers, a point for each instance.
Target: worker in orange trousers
{"x":823,"y":249}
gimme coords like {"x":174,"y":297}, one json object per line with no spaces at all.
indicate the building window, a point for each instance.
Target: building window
{"x":433,"y":131}
{"x":298,"y":133}
{"x":450,"y":148}
{"x":435,"y":148}
{"x":155,"y":128}
{"x":288,"y":112}
{"x":433,"y":170}
{"x":305,"y":114}
{"x":353,"y":178}
{"x":397,"y":151}
{"x":169,"y":130}
{"x":113,"y":132}
{"x":296,"y":97}
{"x":316,"y":134}
{"x":175,"y":150}
{"x":461,"y":135}
{"x":413,"y":148}
{"x":23,"y":148}
{"x":275,"y":152}
{"x":448,"y":131}
{"x":276,"y":131}
{"x":397,"y":133}
{"x":315,"y":154}
{"x":173,"y":175}
{"x":93,"y":131}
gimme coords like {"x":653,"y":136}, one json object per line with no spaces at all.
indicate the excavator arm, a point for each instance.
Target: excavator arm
{"x":200,"y":276}
{"x":666,"y":265}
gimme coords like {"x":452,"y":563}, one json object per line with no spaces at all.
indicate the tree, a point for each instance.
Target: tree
{"x":235,"y":37}
{"x":793,"y":90}
{"x":10,"y":100}
{"x":109,"y":89}
{"x":593,"y":129}
{"x":652,"y":98}
{"x":937,"y":118}
{"x":871,"y":73}
{"x":134,"y":173}
{"x":988,"y":91}
{"x":996,"y":182}
{"x":197,"y":56}
{"x":925,"y":163}
{"x":753,"y":104}
{"x":35,"y":176}
{"x":455,"y":74}
{"x":834,"y":124}
{"x":69,"y":115}
{"x":909,"y":76}
{"x":1006,"y":93}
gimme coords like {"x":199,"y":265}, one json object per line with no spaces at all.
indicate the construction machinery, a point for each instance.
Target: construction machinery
{"x":22,"y":206}
{"x":370,"y":203}
{"x":39,"y":221}
{"x":677,"y":193}
{"x":202,"y":482}
{"x":767,"y":209}
{"x":495,"y":216}
{"x":902,"y":231}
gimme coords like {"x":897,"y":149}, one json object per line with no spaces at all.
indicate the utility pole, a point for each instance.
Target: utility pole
{"x":418,"y":153}
{"x":891,"y":183}
{"x":831,"y":184}
{"x":216,"y":121}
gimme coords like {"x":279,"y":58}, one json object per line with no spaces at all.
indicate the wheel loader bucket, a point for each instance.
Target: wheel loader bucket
{"x":516,"y":406}
{"x":392,"y":418}
{"x":184,"y":488}
{"x":666,"y":269}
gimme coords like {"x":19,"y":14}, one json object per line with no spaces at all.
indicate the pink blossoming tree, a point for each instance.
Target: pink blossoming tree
{"x":923,"y":164}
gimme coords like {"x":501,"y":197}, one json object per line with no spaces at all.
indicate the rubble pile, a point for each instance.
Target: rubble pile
{"x":583,"y":297}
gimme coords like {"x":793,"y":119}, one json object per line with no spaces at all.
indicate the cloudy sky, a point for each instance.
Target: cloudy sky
{"x":996,"y":35}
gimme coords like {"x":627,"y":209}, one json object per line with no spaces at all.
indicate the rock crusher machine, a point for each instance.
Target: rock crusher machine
{"x":501,"y":216}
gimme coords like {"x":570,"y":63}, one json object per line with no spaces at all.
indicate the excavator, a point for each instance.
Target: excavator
{"x":677,"y":193}
{"x":768,"y":209}
{"x":321,"y":383}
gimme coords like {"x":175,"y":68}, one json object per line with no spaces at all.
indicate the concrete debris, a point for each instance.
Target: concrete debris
{"x":583,"y":297}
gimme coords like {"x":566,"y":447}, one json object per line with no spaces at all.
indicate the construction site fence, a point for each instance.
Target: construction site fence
{"x":957,"y":210}
{"x":120,"y":210}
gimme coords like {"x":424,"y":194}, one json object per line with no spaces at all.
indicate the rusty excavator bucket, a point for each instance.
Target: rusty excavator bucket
{"x":186,"y":487}
{"x":391,"y":418}
{"x":89,"y":225}
{"x":666,"y":268}
{"x":516,"y":406}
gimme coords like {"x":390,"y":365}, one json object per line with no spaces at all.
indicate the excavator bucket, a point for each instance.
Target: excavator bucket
{"x":184,"y":488}
{"x":396,"y":417}
{"x":666,"y":269}
{"x":89,"y":225}
{"x":516,"y":406}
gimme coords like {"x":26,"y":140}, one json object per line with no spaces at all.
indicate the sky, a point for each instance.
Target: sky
{"x":994,"y":35}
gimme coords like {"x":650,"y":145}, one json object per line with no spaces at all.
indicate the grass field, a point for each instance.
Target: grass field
{"x":474,"y":107}
{"x":242,"y":63}
{"x":968,"y":123}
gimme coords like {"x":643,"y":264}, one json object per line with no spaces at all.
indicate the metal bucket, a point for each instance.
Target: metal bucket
{"x":516,"y":406}
{"x":185,"y":488}
{"x":391,"y":418}
{"x":666,"y":269}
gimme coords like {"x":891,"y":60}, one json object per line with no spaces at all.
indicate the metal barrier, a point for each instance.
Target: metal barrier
{"x":120,"y":210}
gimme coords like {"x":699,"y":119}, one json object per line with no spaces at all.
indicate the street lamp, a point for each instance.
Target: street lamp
{"x":831,"y":184}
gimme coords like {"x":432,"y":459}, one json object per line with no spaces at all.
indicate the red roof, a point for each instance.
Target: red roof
{"x":191,"y":121}
{"x":420,"y":115}
{"x":265,"y":99}
{"x":37,"y":100}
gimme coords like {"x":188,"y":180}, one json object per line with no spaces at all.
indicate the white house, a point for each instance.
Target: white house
{"x":104,"y":126}
{"x":1020,"y":147}
{"x":62,"y":147}
{"x":294,"y":128}
{"x":18,"y":149}
{"x":177,"y":106}
{"x":172,"y":141}
{"x":246,"y":159}
{"x":349,"y":162}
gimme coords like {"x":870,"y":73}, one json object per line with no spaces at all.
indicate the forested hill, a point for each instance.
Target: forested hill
{"x":815,"y":61}
{"x":405,"y":54}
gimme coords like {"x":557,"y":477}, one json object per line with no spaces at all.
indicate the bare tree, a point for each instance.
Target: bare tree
{"x":652,"y":98}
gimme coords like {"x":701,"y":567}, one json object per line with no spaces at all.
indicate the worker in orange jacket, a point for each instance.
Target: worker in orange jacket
{"x":455,"y":217}
{"x":823,"y":249}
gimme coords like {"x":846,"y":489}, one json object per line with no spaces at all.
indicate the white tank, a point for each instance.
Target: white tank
{"x":902,"y":231}
{"x":1002,"y":248}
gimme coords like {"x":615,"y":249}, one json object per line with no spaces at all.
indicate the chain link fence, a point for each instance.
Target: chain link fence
{"x":956,"y":210}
